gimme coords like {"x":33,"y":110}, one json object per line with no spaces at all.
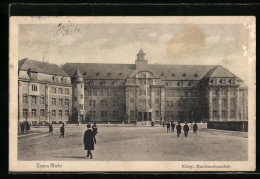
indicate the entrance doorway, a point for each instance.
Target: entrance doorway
{"x":144,"y":116}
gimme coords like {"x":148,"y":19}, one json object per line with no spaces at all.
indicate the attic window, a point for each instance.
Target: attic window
{"x":162,"y":74}
{"x":191,"y":83}
{"x":120,"y":74}
{"x":196,"y":75}
{"x":85,"y":73}
{"x":173,"y":74}
{"x":108,"y":74}
{"x":184,"y":75}
{"x":97,"y":73}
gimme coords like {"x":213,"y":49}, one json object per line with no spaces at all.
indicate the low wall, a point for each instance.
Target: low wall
{"x":230,"y":125}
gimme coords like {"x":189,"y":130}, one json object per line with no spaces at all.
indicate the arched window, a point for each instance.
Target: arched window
{"x":180,"y":84}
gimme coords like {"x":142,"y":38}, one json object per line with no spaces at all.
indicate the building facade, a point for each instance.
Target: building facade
{"x":44,"y":93}
{"x":143,"y":92}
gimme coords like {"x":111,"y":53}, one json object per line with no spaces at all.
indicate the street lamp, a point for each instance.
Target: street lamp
{"x":49,"y":117}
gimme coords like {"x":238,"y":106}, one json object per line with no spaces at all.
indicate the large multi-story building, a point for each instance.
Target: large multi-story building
{"x":44,"y":93}
{"x":139,"y":92}
{"x":143,"y":92}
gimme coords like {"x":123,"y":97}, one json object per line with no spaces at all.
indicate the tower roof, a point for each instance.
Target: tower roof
{"x":77,"y":74}
{"x":141,"y":52}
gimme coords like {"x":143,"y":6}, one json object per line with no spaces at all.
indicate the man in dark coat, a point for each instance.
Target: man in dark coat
{"x":195,"y":128}
{"x":186,"y":129}
{"x":152,"y":124}
{"x":22,"y":128}
{"x":50,"y":129}
{"x":62,"y":130}
{"x":178,"y":128}
{"x":27,"y":126}
{"x":89,"y":140}
{"x":168,"y":126}
{"x":95,"y":128}
{"x":173,"y":126}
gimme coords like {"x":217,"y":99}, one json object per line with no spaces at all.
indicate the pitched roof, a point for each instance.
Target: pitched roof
{"x":220,"y":71}
{"x":77,"y":74}
{"x":40,"y":67}
{"x":100,"y":71}
{"x":122,"y":71}
{"x":141,"y":52}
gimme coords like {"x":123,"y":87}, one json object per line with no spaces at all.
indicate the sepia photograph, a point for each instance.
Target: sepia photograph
{"x":132,"y":93}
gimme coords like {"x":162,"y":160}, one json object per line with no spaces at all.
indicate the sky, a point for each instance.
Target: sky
{"x":188,"y":44}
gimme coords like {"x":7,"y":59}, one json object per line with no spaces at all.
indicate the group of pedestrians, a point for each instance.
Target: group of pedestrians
{"x":25,"y":126}
{"x":171,"y":126}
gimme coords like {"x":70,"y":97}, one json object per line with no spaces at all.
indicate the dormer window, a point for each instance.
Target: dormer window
{"x":173,"y":74}
{"x":109,"y":74}
{"x":91,"y":83}
{"x":215,"y":81}
{"x":97,"y":73}
{"x":85,"y":73}
{"x":196,"y":75}
{"x":32,"y":75}
{"x":114,"y":83}
{"x":55,"y":78}
{"x":232,"y":81}
{"x":162,"y":74}
{"x":184,"y":74}
{"x":191,"y":83}
{"x":224,"y":81}
{"x":120,"y":74}
{"x":64,"y":80}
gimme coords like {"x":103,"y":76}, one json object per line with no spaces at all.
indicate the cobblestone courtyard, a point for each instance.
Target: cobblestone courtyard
{"x":135,"y":144}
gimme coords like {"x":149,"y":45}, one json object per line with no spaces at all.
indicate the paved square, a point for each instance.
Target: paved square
{"x":134,"y":144}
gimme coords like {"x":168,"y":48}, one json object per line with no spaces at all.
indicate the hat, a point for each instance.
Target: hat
{"x":88,"y":126}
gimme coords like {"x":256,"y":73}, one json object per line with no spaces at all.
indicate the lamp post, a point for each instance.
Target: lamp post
{"x":49,"y":117}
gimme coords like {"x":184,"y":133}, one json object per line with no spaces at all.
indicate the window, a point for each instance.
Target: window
{"x":34,"y":99}
{"x":91,"y":83}
{"x":25,"y":113}
{"x":157,"y":92}
{"x":224,"y":113}
{"x":25,"y":99}
{"x":215,"y":113}
{"x":103,"y":83}
{"x":180,"y":84}
{"x":94,"y":93}
{"x":132,"y":114}
{"x":103,"y":102}
{"x":232,"y":102}
{"x":224,"y":81}
{"x":54,"y":90}
{"x":33,"y":112}
{"x":156,"y":101}
{"x":89,"y":93}
{"x":215,"y":81}
{"x":224,"y":102}
{"x":81,"y":86}
{"x":131,"y":92}
{"x":60,"y":102}
{"x":103,"y":114}
{"x":140,"y":93}
{"x":42,"y":100}
{"x":66,"y":102}
{"x":53,"y":101}
{"x":81,"y":96}
{"x":60,"y":113}
{"x":115,"y":114}
{"x":105,"y":93}
{"x":92,"y":103}
{"x":233,"y":92}
{"x":64,"y":80}
{"x":131,"y":101}
{"x":75,"y":98}
{"x":53,"y":113}
{"x":171,"y":102}
{"x":215,"y":92}
{"x":34,"y":88}
{"x":60,"y":91}
{"x":215,"y":103}
{"x":67,"y":91}
{"x":101,"y":93}
{"x":80,"y":106}
{"x":115,"y":102}
{"x":232,"y":114}
{"x":168,"y":103}
{"x":156,"y":114}
{"x":224,"y":91}
{"x":41,"y":112}
{"x":232,"y":81}
{"x":66,"y":112}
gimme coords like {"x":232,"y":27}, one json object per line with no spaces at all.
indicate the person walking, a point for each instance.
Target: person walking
{"x":89,"y":140}
{"x":22,"y":128}
{"x":195,"y":128}
{"x":186,"y":129}
{"x":62,"y":130}
{"x":152,"y":124}
{"x":168,"y":126}
{"x":50,"y":129}
{"x":173,"y":126}
{"x":27,"y":127}
{"x":178,"y":128}
{"x":95,"y":128}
